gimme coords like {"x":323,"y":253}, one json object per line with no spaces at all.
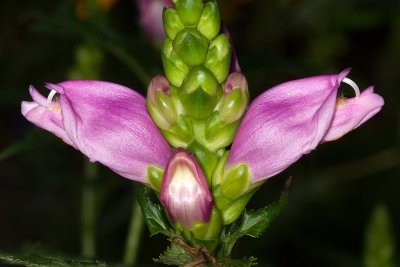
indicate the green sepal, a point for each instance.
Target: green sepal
{"x":206,"y":158}
{"x":189,"y":11}
{"x":175,"y":69}
{"x":253,"y":224}
{"x":210,"y":230}
{"x":236,"y":181}
{"x":179,"y":134}
{"x":153,"y":214}
{"x":172,"y":23}
{"x":218,"y":59}
{"x":162,"y":111}
{"x":231,"y":212}
{"x":200,"y":93}
{"x":191,"y":46}
{"x":155,"y":176}
{"x":233,"y":105}
{"x":210,"y":21}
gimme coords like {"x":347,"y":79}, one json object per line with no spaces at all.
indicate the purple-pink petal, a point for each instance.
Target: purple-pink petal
{"x":184,"y":190}
{"x":284,"y":123}
{"x":351,"y":113}
{"x":107,"y":122}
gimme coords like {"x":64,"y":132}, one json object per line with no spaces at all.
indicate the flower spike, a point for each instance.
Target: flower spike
{"x":107,"y":122}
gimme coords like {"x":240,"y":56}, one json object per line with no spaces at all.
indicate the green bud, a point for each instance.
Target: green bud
{"x":210,"y":21}
{"x":159,"y":102}
{"x":200,"y":92}
{"x":235,"y":99}
{"x":189,"y":11}
{"x":218,"y":59}
{"x":223,"y":137}
{"x":191,"y":47}
{"x":172,"y":23}
{"x":179,"y":134}
{"x":175,"y":69}
{"x":155,"y":176}
{"x":236,"y":181}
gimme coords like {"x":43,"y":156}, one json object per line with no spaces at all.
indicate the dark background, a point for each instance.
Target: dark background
{"x":334,"y":190}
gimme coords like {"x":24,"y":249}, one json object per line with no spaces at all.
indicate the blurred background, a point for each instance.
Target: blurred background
{"x":343,"y":203}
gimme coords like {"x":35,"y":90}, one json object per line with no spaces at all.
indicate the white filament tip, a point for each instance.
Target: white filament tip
{"x":50,"y":98}
{"x":353,"y":85}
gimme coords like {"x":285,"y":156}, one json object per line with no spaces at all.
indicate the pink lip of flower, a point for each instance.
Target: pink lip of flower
{"x":184,"y":190}
{"x":107,"y":122}
{"x":150,"y":12}
{"x":291,"y":119}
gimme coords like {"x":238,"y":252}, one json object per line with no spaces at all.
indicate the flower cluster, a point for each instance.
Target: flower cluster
{"x":177,"y":141}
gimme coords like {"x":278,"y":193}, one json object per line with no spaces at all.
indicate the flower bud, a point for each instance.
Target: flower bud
{"x":159,"y":102}
{"x":200,"y":92}
{"x":235,"y":99}
{"x":172,"y":23}
{"x":184,"y":191}
{"x":191,"y":47}
{"x":189,"y":11}
{"x":218,"y":59}
{"x":175,"y":69}
{"x":210,"y":21}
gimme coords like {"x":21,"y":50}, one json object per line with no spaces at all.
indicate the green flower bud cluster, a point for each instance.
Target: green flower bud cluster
{"x":196,"y":104}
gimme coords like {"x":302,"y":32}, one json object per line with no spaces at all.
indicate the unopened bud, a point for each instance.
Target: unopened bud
{"x":172,"y":23}
{"x":210,"y":21}
{"x":218,"y":59}
{"x":189,"y":11}
{"x":191,"y":47}
{"x":235,"y":99}
{"x":200,"y":92}
{"x":159,"y":102}
{"x":175,"y":69}
{"x":218,"y":134}
{"x":184,"y":191}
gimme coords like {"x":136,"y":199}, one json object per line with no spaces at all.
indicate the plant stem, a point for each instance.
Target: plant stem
{"x":134,"y":234}
{"x":88,"y":212}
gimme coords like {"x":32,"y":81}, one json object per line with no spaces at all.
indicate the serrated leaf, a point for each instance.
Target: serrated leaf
{"x":379,"y":244}
{"x":34,"y":260}
{"x":175,"y":255}
{"x":246,"y":262}
{"x":153,"y":214}
{"x":253,"y":224}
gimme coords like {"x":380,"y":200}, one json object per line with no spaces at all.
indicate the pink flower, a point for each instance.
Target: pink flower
{"x":107,"y":122}
{"x":291,"y":119}
{"x":150,"y":13}
{"x":184,"y":190}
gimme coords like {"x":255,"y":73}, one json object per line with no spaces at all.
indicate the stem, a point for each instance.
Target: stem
{"x":88,"y":212}
{"x":134,"y":234}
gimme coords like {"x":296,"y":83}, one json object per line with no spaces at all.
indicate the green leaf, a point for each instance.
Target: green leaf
{"x":246,"y":262}
{"x":153,"y":214}
{"x":34,"y":260}
{"x":379,"y":243}
{"x":253,"y":224}
{"x":175,"y":255}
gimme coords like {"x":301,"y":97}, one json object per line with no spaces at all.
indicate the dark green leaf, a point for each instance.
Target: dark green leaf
{"x":252,"y":223}
{"x":246,"y":262}
{"x":34,"y":260}
{"x":153,"y":214}
{"x":175,"y":255}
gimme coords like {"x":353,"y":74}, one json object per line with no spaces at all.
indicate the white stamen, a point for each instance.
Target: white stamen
{"x":353,"y":85}
{"x":50,"y":98}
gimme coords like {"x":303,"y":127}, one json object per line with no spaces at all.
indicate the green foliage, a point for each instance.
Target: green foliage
{"x":379,"y":243}
{"x":34,"y":260}
{"x":153,"y":214}
{"x":253,"y":224}
{"x":175,"y":255}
